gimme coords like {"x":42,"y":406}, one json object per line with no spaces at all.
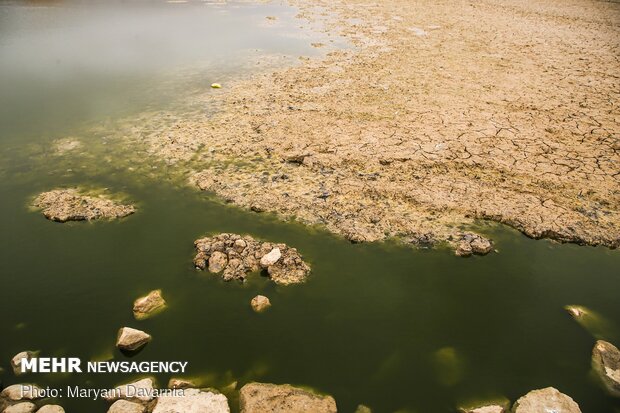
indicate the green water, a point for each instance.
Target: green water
{"x":380,"y":324}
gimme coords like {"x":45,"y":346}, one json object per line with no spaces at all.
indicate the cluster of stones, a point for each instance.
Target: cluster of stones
{"x":20,"y":399}
{"x":253,"y":397}
{"x":235,"y":256}
{"x":64,"y":205}
{"x":471,"y":243}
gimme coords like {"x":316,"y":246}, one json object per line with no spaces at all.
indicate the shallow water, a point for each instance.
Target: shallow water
{"x":380,"y":324}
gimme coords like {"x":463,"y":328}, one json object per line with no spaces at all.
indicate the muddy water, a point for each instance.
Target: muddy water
{"x":380,"y":324}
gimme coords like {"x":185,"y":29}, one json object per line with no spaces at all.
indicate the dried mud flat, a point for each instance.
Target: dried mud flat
{"x":441,"y":113}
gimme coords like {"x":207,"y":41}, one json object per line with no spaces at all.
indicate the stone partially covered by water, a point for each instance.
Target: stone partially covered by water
{"x":70,"y":204}
{"x":25,"y":407}
{"x":130,"y":339}
{"x":498,"y":405}
{"x":606,"y":363}
{"x":193,"y":401}
{"x":18,"y":392}
{"x":51,"y":408}
{"x":138,"y":391}
{"x":149,"y":305}
{"x":471,"y":243}
{"x":546,"y":400}
{"x":16,"y":361}
{"x":235,"y":256}
{"x":273,"y":398}
{"x":125,"y":406}
{"x":260,"y":303}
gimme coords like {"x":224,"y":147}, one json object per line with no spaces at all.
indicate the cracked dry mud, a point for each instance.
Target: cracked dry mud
{"x":441,"y":113}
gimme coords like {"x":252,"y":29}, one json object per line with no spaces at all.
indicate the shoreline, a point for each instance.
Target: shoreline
{"x":432,"y":122}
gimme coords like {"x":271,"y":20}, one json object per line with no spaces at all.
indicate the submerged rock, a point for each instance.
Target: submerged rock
{"x":193,"y":401}
{"x":65,"y":145}
{"x":124,"y":406}
{"x":592,"y":322}
{"x":130,"y":339}
{"x":51,"y":408}
{"x":606,"y":363}
{"x":260,"y":303}
{"x":546,"y":400}
{"x":448,"y":366}
{"x":64,"y":205}
{"x":471,"y":243}
{"x":177,"y":383}
{"x":235,"y":256}
{"x":272,"y":398}
{"x":25,"y":407}
{"x":149,"y":305}
{"x":16,"y":361}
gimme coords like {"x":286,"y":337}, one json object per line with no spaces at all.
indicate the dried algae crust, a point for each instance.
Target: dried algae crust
{"x":443,"y":112}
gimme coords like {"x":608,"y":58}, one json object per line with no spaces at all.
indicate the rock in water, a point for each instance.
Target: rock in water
{"x":272,"y":398}
{"x":25,"y":407}
{"x":51,"y":408}
{"x":16,"y":361}
{"x":149,"y":305}
{"x":597,"y":325}
{"x":485,"y":409}
{"x":217,"y":262}
{"x":471,"y":243}
{"x":130,"y":339}
{"x":606,"y":363}
{"x":271,"y":258}
{"x":178,"y":383}
{"x":496,"y":405}
{"x":124,"y":406}
{"x":235,"y":256}
{"x":64,"y":205}
{"x":546,"y":400}
{"x":18,"y":392}
{"x":141,"y":390}
{"x":193,"y":401}
{"x":260,"y":303}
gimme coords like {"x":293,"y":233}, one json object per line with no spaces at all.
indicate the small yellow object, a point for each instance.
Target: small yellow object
{"x":216,"y":86}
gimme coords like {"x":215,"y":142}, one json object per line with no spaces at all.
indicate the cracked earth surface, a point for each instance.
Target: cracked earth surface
{"x":440,"y":114}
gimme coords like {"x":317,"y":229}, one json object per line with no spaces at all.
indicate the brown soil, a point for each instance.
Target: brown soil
{"x":443,"y":112}
{"x":70,"y":204}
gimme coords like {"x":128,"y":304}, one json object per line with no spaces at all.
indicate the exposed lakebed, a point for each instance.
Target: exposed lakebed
{"x":381,"y":324}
